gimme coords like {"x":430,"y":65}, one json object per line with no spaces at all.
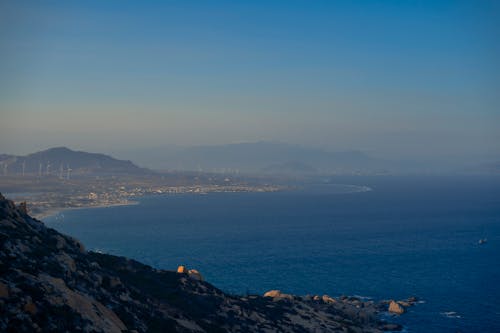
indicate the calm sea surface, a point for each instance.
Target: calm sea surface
{"x":407,"y":236}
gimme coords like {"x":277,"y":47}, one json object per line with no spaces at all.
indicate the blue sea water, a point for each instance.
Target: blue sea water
{"x":408,"y":236}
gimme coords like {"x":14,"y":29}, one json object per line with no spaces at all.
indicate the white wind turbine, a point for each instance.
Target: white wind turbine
{"x":68,"y":172}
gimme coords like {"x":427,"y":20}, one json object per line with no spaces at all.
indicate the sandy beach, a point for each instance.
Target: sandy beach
{"x":54,"y":211}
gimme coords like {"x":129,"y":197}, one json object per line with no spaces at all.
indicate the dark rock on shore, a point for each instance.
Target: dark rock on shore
{"x":50,"y":283}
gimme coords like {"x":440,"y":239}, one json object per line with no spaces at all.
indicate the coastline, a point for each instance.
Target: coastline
{"x":54,"y":211}
{"x":42,"y":205}
{"x":45,"y":213}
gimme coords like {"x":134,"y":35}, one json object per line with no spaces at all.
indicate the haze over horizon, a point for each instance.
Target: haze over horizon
{"x":398,"y":80}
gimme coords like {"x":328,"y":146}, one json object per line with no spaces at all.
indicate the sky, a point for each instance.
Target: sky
{"x":391,"y":78}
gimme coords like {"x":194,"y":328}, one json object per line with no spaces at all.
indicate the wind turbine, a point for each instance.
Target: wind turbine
{"x":68,"y":172}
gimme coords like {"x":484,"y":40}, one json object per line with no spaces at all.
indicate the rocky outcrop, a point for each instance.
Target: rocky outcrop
{"x":272,"y":293}
{"x":277,"y":294}
{"x":395,"y":307}
{"x":50,"y":283}
{"x":328,"y":299}
{"x":194,"y":274}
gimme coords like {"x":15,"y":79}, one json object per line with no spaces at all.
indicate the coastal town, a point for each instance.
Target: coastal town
{"x":46,"y":196}
{"x":85,"y":180}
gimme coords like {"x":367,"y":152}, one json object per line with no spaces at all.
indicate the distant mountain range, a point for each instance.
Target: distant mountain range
{"x":63,"y":162}
{"x":259,"y":157}
{"x":267,"y":158}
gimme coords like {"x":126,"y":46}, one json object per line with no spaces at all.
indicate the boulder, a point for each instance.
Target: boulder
{"x":278,"y":295}
{"x":272,"y":293}
{"x":194,"y":274}
{"x":327,"y":299}
{"x":396,"y":308}
{"x":182,"y":269}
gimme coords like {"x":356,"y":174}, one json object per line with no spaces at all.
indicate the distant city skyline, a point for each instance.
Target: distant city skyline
{"x":395,"y":79}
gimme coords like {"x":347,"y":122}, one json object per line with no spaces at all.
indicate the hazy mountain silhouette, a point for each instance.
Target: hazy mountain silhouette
{"x":292,"y":167}
{"x":257,"y":157}
{"x":56,"y":161}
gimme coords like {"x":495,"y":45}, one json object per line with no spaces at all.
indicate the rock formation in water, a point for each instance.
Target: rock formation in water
{"x":396,"y":307}
{"x":50,"y":283}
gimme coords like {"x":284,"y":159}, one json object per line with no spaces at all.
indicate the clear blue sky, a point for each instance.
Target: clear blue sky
{"x":394,"y":78}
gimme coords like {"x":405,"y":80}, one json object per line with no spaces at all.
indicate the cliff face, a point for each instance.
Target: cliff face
{"x":50,"y":283}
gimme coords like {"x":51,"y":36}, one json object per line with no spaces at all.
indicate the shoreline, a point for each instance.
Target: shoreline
{"x":55,"y":211}
{"x":43,"y":205}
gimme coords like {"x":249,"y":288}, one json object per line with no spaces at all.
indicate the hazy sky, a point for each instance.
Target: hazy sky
{"x":394,"y":78}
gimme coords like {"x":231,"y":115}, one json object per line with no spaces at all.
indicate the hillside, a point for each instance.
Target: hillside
{"x":62,"y":162}
{"x":50,"y":283}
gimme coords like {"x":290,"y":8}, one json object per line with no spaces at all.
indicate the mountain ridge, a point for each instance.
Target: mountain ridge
{"x":254,"y":157}
{"x":62,"y":161}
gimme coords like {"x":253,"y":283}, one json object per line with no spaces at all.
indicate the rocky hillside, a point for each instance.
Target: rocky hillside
{"x":50,"y":283}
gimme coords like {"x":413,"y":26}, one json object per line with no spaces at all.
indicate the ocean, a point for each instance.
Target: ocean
{"x":387,"y":237}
